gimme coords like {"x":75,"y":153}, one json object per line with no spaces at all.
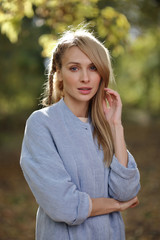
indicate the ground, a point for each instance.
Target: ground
{"x":18,"y":207}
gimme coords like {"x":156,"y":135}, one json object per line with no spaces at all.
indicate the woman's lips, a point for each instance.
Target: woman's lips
{"x":85,"y":90}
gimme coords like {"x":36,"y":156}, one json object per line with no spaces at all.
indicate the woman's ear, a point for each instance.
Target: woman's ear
{"x":59,"y":75}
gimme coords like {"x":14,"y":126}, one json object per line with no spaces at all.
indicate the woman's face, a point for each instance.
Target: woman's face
{"x":79,"y":75}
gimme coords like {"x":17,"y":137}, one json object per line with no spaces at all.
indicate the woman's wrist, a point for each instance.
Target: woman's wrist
{"x":112,"y":205}
{"x":117,"y":132}
{"x":101,"y":206}
{"x":116,"y":126}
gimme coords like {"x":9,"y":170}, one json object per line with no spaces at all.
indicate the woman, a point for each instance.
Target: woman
{"x":74,"y":156}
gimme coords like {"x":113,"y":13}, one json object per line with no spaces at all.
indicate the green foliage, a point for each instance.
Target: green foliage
{"x":22,"y":70}
{"x":113,"y":27}
{"x":109,"y":24}
{"x":139,"y":70}
{"x":11,"y":15}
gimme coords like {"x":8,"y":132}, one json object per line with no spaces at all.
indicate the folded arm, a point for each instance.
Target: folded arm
{"x":101,"y":206}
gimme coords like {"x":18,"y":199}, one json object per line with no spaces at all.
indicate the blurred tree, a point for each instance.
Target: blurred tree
{"x":142,"y":14}
{"x":138,"y":73}
{"x":109,"y":24}
{"x":138,"y":69}
{"x":21,"y":74}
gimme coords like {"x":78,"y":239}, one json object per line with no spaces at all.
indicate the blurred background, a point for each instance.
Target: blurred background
{"x":131,"y":31}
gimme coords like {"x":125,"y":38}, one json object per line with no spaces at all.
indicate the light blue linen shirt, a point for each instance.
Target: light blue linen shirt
{"x":63,"y":167}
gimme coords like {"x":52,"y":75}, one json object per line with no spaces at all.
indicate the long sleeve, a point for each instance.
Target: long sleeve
{"x":47,"y":177}
{"x":124,"y":183}
{"x":64,"y":169}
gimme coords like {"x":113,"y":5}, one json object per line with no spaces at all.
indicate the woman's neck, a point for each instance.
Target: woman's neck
{"x":79,"y":109}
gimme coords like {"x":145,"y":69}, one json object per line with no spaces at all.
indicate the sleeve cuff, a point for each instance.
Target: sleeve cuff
{"x":124,"y":172}
{"x":90,"y":206}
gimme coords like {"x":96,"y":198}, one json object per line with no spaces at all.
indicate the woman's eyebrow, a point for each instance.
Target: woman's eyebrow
{"x":78,"y":63}
{"x":73,"y":63}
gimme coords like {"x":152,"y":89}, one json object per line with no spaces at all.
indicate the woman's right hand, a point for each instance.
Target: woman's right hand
{"x":102,"y":206}
{"x":128,"y":204}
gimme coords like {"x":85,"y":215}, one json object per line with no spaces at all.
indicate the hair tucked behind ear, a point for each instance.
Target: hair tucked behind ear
{"x":100,"y":57}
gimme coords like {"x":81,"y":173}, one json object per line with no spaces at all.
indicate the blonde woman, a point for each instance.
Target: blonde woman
{"x":74,"y":155}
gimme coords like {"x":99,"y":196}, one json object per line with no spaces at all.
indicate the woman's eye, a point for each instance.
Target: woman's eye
{"x":93,"y":68}
{"x":73,"y":69}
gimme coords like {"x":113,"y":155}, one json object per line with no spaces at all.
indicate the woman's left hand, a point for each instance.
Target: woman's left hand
{"x":112,"y":109}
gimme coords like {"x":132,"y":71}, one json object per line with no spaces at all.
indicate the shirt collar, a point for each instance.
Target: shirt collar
{"x":71,"y":118}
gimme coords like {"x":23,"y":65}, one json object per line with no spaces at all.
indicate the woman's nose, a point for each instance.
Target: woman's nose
{"x":84,"y":76}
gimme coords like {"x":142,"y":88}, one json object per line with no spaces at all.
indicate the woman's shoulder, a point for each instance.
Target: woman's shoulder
{"x":44,"y":115}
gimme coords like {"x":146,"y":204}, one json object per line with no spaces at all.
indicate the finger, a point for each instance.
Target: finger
{"x":134,"y":205}
{"x":105,"y":108}
{"x":115,"y":95}
{"x":135,"y":202}
{"x":110,"y":90}
{"x":109,"y":99}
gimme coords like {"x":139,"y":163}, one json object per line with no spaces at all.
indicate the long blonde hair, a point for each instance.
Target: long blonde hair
{"x":100,"y":57}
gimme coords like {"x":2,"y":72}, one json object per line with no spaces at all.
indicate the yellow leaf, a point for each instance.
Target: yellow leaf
{"x":48,"y":42}
{"x":122,"y":22}
{"x":28,"y":11}
{"x":39,"y":2}
{"x":108,"y":13}
{"x":10,"y":30}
